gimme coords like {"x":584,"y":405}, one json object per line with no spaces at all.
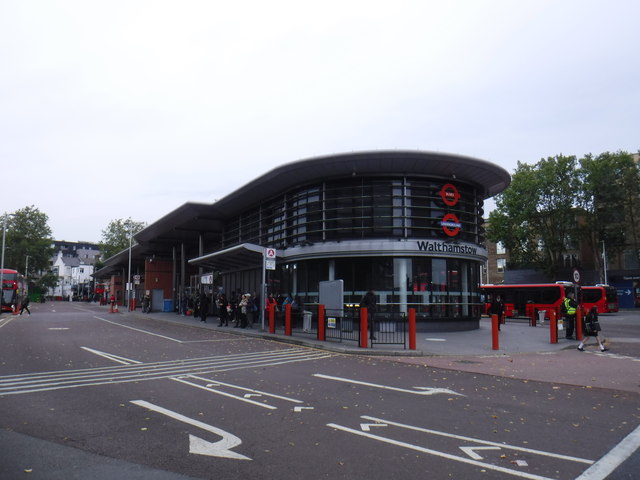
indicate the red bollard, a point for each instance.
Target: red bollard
{"x":363,"y":328}
{"x":412,"y":329}
{"x":272,"y":318}
{"x":321,"y":332}
{"x":579,"y":323}
{"x":553,"y":327}
{"x":495,"y":343}
{"x":287,"y":319}
{"x":533,"y":317}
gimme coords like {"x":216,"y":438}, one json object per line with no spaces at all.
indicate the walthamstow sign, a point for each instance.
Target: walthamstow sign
{"x":408,"y":248}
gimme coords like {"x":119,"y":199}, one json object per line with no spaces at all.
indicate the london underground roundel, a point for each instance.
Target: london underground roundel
{"x":449,"y":194}
{"x":450,"y":224}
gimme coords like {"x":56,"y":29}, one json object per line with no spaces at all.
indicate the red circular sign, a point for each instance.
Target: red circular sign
{"x":450,"y":224}
{"x":449,"y":194}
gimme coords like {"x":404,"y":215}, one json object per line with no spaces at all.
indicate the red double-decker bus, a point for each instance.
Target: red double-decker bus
{"x":14,"y":289}
{"x":604,"y":297}
{"x":524,"y":299}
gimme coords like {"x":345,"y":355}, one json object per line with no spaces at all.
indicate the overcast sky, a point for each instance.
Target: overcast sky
{"x":119,"y":109}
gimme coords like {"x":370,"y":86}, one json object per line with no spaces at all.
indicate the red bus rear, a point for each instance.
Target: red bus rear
{"x":604,"y":297}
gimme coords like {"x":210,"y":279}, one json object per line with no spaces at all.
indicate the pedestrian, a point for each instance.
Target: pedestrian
{"x":243,"y":309}
{"x":497,"y":308}
{"x":146,"y":303}
{"x":591,"y":328}
{"x":25,"y":306}
{"x":204,"y":307}
{"x":222,"y":310}
{"x":570,"y":307}
{"x":369,"y":302}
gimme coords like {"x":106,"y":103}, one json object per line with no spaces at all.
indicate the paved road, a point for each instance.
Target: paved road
{"x":85,"y":394}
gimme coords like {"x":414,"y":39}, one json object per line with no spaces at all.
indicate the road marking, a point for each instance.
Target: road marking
{"x":616,"y":456}
{"x":476,"y":440}
{"x":59,"y":328}
{"x":139,"y":330}
{"x":6,"y":321}
{"x":366,"y":427}
{"x":221,"y":448}
{"x":298,"y":409}
{"x":225,"y":394}
{"x":422,"y":390}
{"x":134,"y":371}
{"x":111,"y":356}
{"x":429,"y":451}
{"x":471,"y":451}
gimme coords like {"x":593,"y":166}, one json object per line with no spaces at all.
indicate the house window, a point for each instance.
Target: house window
{"x":501,"y":264}
{"x":500,"y":250}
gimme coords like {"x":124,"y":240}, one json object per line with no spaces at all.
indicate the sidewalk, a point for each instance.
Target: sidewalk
{"x":515,"y":337}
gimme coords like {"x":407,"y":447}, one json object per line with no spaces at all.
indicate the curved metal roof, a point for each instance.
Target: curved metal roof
{"x":191,"y":219}
{"x":490,"y":178}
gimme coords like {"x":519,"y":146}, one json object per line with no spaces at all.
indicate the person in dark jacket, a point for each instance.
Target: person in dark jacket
{"x":497,"y":308}
{"x":369,"y":302}
{"x":25,"y":306}
{"x":591,"y":328}
{"x":204,"y":307}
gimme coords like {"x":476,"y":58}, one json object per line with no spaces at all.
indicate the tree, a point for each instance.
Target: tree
{"x":117,"y":235}
{"x":609,"y":198}
{"x":535,"y":217}
{"x":28,"y":241}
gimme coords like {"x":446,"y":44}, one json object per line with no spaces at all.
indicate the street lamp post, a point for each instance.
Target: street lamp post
{"x":4,"y":233}
{"x":129,"y":273}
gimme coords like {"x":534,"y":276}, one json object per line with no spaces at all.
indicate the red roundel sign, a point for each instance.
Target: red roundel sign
{"x":449,"y":194}
{"x":450,"y":224}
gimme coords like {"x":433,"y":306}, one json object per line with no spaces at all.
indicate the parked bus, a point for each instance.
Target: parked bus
{"x":14,"y":289}
{"x":522,"y":300}
{"x":605,"y":297}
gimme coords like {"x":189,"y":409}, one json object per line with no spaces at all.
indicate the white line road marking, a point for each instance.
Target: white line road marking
{"x":422,"y":390}
{"x":111,"y":356}
{"x":429,"y":451}
{"x":298,"y":409}
{"x":225,"y":394}
{"x":58,"y":328}
{"x":616,"y":456}
{"x":249,"y":395}
{"x":366,"y":427}
{"x":134,"y":371}
{"x":471,"y":451}
{"x":138,"y":330}
{"x":221,"y":448}
{"x":476,"y":440}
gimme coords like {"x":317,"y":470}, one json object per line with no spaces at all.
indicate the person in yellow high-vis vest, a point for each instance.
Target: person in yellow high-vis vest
{"x":570,"y":309}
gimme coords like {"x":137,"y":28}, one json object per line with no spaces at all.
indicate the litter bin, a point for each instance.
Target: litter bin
{"x":541,"y":314}
{"x":306,"y":320}
{"x":167,"y":305}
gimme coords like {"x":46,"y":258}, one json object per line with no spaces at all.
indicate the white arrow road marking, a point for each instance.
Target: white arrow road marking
{"x":471,"y":451}
{"x":477,"y":440}
{"x":430,"y":451}
{"x":249,"y":395}
{"x":422,"y":390}
{"x":298,"y":409}
{"x":221,"y":448}
{"x":366,"y":427}
{"x":224,"y":394}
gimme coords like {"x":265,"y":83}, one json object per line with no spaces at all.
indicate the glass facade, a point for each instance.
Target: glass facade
{"x":359,"y":208}
{"x":441,"y":288}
